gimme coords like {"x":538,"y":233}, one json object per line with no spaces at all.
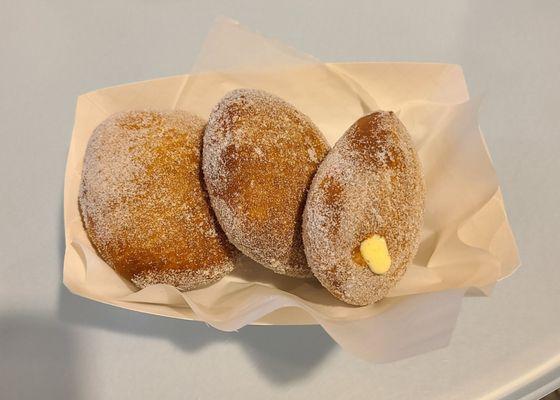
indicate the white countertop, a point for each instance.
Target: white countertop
{"x":56,"y":345}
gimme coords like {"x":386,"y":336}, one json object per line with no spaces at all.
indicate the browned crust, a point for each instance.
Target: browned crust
{"x":370,"y":183}
{"x":143,"y":204}
{"x":259,"y":156}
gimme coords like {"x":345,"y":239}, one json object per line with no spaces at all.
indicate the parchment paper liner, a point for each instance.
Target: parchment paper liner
{"x":467,"y":242}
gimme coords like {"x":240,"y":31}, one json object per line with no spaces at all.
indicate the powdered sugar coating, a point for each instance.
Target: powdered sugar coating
{"x":143,"y":204}
{"x":370,"y":183}
{"x":259,"y":156}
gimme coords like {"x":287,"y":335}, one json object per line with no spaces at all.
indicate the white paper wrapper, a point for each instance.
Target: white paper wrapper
{"x":467,"y":242}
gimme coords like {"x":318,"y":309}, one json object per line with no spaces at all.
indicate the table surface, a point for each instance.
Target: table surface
{"x":56,"y":345}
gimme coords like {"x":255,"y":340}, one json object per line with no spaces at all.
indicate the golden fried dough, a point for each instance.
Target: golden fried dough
{"x":143,"y":204}
{"x":367,"y":198}
{"x":259,"y":156}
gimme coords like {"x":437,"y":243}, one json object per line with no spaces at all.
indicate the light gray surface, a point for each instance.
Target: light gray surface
{"x":56,"y":345}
